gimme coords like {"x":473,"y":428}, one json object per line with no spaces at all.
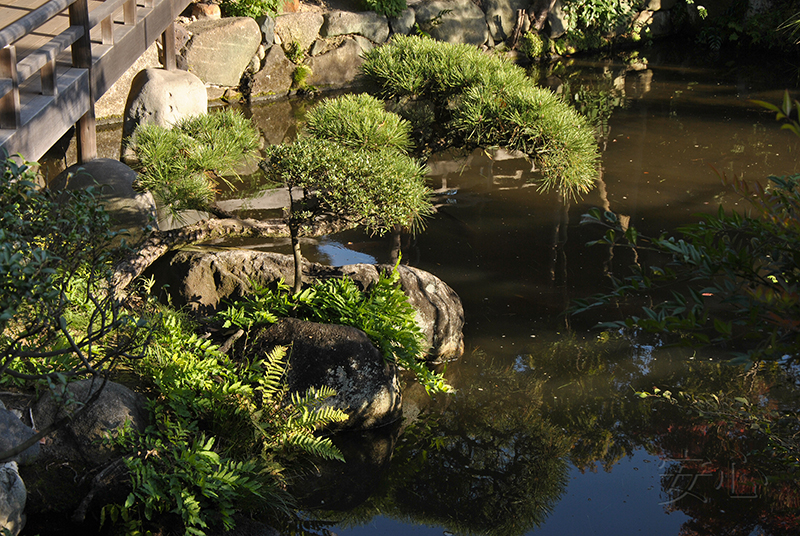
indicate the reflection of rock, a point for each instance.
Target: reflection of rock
{"x":333,"y":485}
{"x":341,"y":357}
{"x":203,"y":279}
{"x":276,"y":120}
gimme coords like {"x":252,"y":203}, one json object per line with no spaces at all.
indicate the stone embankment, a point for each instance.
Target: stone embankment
{"x":271,"y":57}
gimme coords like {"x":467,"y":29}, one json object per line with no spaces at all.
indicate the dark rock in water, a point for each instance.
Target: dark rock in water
{"x":129,"y":209}
{"x":341,"y":357}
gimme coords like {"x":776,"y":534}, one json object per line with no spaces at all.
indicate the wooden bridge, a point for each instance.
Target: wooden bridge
{"x":57,"y":57}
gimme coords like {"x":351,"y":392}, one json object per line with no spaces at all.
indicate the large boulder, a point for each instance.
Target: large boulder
{"x":341,"y":357}
{"x":371,"y":25}
{"x":403,"y":23}
{"x":439,"y":312}
{"x":336,"y":68}
{"x":453,"y":21}
{"x":162,"y":97}
{"x":220,"y":50}
{"x":80,"y":438}
{"x":12,"y":499}
{"x":301,"y":28}
{"x":203,"y":280}
{"x":275,"y":77}
{"x":501,"y":17}
{"x":129,"y":208}
{"x":12,"y":433}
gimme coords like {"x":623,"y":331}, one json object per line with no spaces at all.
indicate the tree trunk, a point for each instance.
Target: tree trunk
{"x":294,"y":233}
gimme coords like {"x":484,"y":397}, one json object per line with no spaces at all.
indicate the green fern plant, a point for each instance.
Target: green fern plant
{"x":382,"y":312}
{"x":221,"y":433}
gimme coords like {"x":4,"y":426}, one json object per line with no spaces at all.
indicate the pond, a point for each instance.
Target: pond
{"x":545,"y":434}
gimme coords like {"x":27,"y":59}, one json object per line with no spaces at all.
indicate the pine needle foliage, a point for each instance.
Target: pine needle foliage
{"x":359,"y":122}
{"x":485,"y":100}
{"x":375,"y":189}
{"x":183,"y":164}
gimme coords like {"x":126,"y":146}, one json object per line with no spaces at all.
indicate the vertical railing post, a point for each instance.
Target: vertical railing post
{"x":82,"y":59}
{"x":168,"y":45}
{"x":9,"y":103}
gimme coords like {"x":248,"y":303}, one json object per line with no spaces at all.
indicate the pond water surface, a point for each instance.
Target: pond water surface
{"x":545,"y":435}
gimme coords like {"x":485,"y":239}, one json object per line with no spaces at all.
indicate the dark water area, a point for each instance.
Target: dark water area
{"x":545,"y":434}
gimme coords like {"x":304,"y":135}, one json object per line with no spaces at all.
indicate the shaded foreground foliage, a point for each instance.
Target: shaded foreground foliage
{"x":481,"y":99}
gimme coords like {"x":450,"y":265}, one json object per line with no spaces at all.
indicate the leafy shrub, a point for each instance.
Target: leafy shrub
{"x":249,"y":8}
{"x":220,"y":430}
{"x":390,"y":8}
{"x":534,"y":45}
{"x":382,"y":312}
{"x":486,"y":100}
{"x":359,"y":121}
{"x":181,"y":165}
{"x":57,"y":319}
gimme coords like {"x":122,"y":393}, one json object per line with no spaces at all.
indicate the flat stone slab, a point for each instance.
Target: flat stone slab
{"x":220,"y":50}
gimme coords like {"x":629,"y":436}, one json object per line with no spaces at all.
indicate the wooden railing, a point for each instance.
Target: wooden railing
{"x":47,"y":86}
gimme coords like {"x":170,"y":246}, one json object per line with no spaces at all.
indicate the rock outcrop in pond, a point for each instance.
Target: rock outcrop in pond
{"x":203,"y":280}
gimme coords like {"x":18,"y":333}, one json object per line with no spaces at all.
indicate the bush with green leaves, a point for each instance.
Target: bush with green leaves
{"x":485,"y":100}
{"x":382,"y":312}
{"x":58,"y":321}
{"x":390,"y":8}
{"x":182,"y":164}
{"x":731,"y":280}
{"x":250,"y":8}
{"x":220,"y":433}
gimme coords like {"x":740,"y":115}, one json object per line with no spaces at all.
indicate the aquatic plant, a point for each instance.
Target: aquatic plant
{"x":732,"y":277}
{"x":485,"y":100}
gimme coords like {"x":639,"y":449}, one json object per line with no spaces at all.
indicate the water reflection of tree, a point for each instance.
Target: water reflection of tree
{"x":721,"y":464}
{"x":483,"y":462}
{"x":489,"y":464}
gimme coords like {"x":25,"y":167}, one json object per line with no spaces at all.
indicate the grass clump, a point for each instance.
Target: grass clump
{"x":249,"y":8}
{"x":359,"y":121}
{"x":486,"y":100}
{"x":183,"y":164}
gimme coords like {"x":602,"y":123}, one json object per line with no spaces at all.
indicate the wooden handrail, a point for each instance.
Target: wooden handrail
{"x":47,"y":53}
{"x":25,"y":25}
{"x":101,"y":13}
